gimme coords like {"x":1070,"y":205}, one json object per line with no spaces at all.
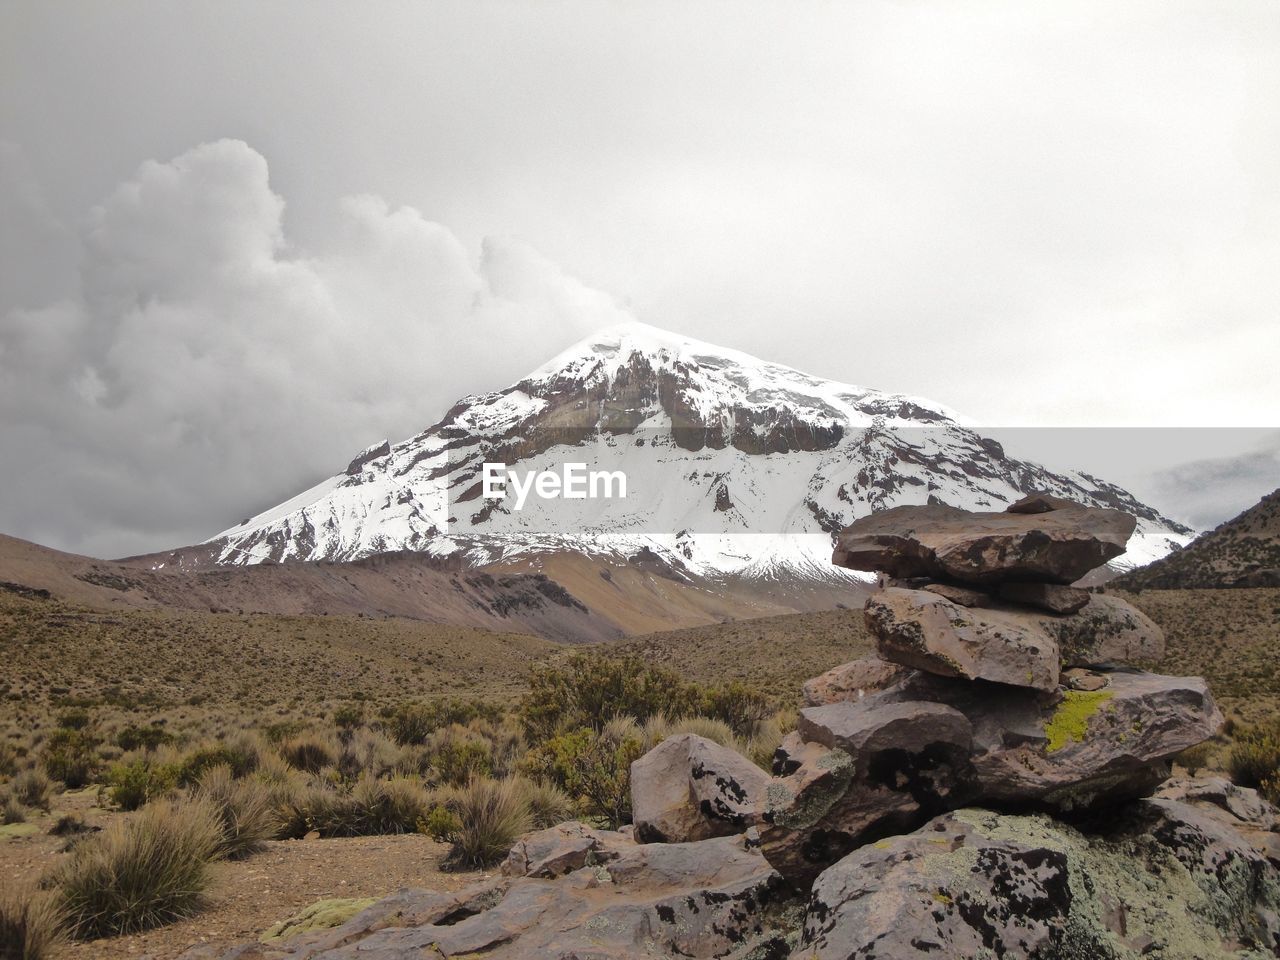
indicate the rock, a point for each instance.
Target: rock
{"x":1106,"y":630}
{"x":850,"y":773}
{"x":1006,"y":644}
{"x":946,"y":543}
{"x":904,"y":727}
{"x":856,"y":770}
{"x":965,"y":596}
{"x":705,"y":899}
{"x":1054,"y":597}
{"x":1039,"y":503}
{"x":852,"y":681}
{"x":978,"y":884}
{"x":690,"y":788}
{"x":321,"y":915}
{"x":1078,"y":678}
{"x":920,"y":629}
{"x":562,"y":849}
{"x":1077,"y":749}
{"x":1241,"y":803}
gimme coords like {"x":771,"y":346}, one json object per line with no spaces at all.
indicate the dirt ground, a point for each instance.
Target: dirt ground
{"x":246,"y":897}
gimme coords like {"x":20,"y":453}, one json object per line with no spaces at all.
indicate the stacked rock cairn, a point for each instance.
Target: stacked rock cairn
{"x":991,"y":785}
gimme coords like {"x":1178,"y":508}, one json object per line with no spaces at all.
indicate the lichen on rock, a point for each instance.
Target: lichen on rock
{"x":1070,"y":721}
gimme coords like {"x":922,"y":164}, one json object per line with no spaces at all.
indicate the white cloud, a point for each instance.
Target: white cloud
{"x":207,"y":368}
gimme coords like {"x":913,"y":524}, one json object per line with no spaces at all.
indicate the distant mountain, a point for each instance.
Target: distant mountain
{"x":1244,"y":552}
{"x":736,"y":468}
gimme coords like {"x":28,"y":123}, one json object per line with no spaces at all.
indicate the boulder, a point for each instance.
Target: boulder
{"x":849,"y":774}
{"x":1241,"y":803}
{"x":856,"y":770}
{"x":852,"y":681}
{"x":691,"y":788}
{"x":1053,"y":597}
{"x":1106,"y":630}
{"x":562,"y":849}
{"x":945,"y":543}
{"x":706,"y":899}
{"x":1005,"y":644}
{"x":920,"y":629}
{"x":979,"y":884}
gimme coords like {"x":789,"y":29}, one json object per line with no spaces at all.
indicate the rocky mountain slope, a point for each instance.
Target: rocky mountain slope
{"x":735,"y":467}
{"x":1243,"y":552}
{"x":570,"y":598}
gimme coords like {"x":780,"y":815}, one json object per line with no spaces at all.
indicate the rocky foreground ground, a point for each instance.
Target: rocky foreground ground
{"x":994,"y":784}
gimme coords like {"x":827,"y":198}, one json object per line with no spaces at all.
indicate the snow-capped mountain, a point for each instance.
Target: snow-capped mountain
{"x":733,"y":465}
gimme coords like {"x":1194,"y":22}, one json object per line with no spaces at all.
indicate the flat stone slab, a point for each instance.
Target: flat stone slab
{"x":705,"y":899}
{"x":1007,"y":644}
{"x":941,"y":542}
{"x":852,"y":681}
{"x":1053,"y":597}
{"x":921,"y":629}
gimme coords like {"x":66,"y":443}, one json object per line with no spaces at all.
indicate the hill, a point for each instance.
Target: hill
{"x":1243,"y":552}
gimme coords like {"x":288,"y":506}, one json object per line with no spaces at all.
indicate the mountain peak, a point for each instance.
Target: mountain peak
{"x":718,"y":448}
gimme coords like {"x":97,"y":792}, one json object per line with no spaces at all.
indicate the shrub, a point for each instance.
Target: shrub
{"x":134,"y":737}
{"x":1196,"y":758}
{"x":191,"y":768}
{"x":130,"y":785}
{"x":370,"y":807}
{"x":245,"y":812}
{"x":366,"y":752}
{"x":590,"y":690}
{"x":658,"y":729}
{"x":348,"y":716}
{"x":595,"y":767}
{"x":440,"y":824}
{"x":457,"y":756}
{"x":32,"y":788}
{"x":30,"y":924}
{"x":388,"y":806}
{"x":492,"y":814}
{"x":742,"y":707}
{"x":69,"y":755}
{"x":307,"y":753}
{"x":548,"y":804}
{"x":75,"y":719}
{"x":1269,"y":787}
{"x":413,"y":723}
{"x":141,"y":872}
{"x":1255,"y":755}
{"x":11,"y":811}
{"x":8,"y":759}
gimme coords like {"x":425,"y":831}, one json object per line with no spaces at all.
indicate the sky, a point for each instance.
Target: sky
{"x":242,"y":241}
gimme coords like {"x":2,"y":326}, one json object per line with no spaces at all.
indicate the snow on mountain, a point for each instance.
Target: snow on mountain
{"x":733,"y":465}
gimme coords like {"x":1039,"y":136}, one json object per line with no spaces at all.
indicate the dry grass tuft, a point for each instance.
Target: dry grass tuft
{"x":492,"y":815}
{"x":30,"y":924}
{"x":148,"y":870}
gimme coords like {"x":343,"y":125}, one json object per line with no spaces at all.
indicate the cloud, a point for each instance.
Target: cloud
{"x":199,"y":367}
{"x":1207,"y":492}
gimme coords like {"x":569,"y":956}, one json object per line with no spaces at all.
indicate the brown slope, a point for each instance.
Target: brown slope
{"x":413,"y":586}
{"x":1243,"y":552}
{"x":567,"y":597}
{"x":640,"y":598}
